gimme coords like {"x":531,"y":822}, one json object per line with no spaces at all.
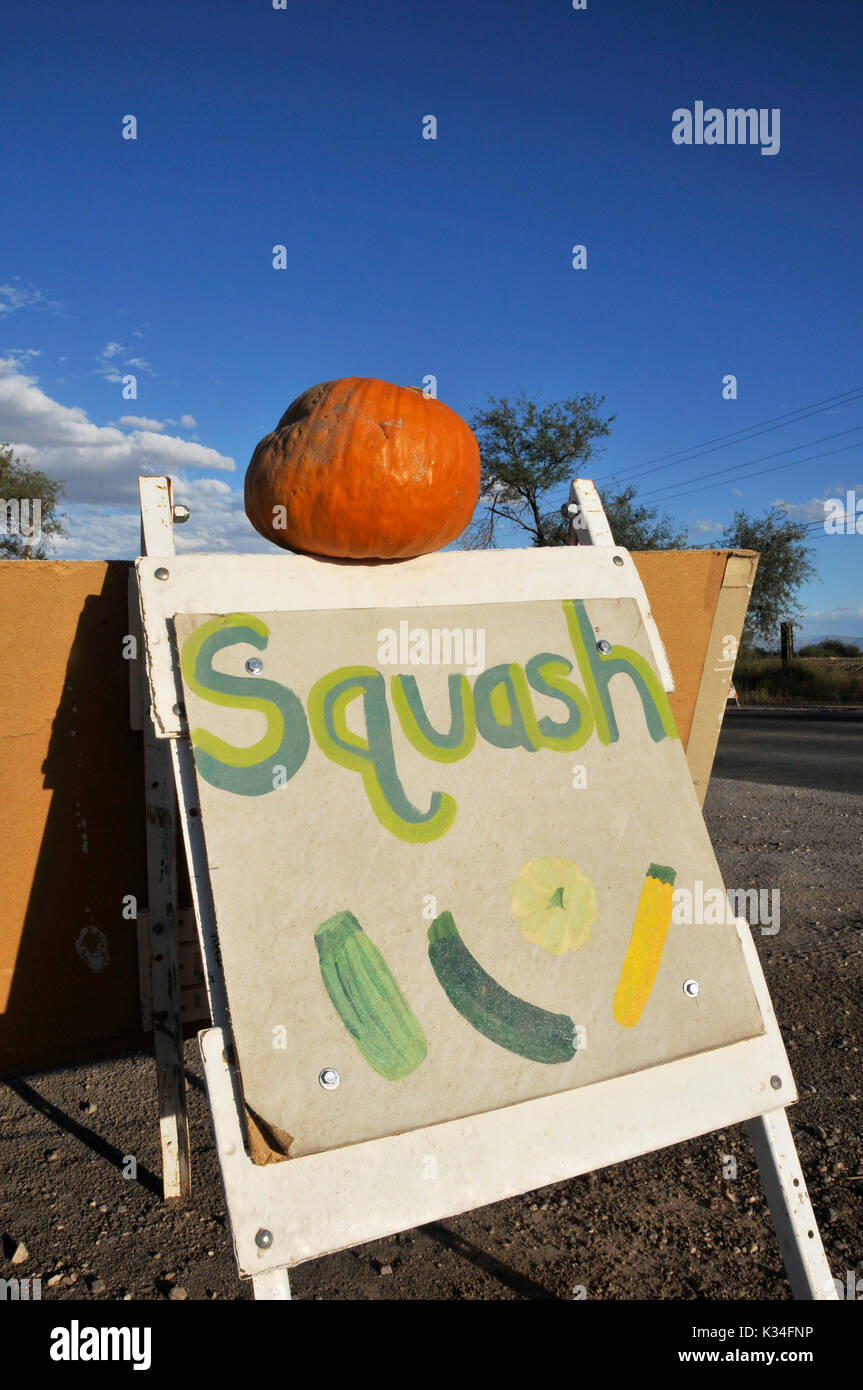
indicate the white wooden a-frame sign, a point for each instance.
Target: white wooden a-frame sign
{"x":436,"y":914}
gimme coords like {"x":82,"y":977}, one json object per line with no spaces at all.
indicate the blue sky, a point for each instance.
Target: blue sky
{"x":451,"y":257}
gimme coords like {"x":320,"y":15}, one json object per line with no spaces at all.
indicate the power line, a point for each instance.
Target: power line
{"x":760,"y":471}
{"x":762,"y":458}
{"x":695,"y":451}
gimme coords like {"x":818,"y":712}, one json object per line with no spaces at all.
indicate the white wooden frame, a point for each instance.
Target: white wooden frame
{"x":160,"y":917}
{"x":286,"y":1213}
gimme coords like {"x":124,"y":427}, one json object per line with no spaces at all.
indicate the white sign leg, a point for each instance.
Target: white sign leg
{"x":157,"y":538}
{"x":785,"y":1188}
{"x":272,"y":1287}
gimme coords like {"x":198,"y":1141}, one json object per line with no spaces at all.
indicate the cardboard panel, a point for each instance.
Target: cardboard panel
{"x":71,"y":815}
{"x":683,"y":587}
{"x":718,"y":667}
{"x":464,"y":889}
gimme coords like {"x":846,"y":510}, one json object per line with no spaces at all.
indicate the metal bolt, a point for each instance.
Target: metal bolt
{"x":776,"y":1082}
{"x":181,"y":513}
{"x":179,"y":709}
{"x":263,"y":1239}
{"x":690,"y":987}
{"x":603,"y":646}
{"x":161,"y":573}
{"x":329,"y":1078}
{"x":617,"y":559}
{"x":254,"y":665}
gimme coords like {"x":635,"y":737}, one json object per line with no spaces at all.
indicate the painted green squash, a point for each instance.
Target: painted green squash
{"x":500,"y":1016}
{"x":367,"y":999}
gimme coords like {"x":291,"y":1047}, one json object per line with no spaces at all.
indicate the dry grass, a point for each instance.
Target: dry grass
{"x":823,"y":680}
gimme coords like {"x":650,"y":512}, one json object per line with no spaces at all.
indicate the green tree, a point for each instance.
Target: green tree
{"x":530,"y":452}
{"x":783,"y":567}
{"x":636,"y":526}
{"x":19,"y":483}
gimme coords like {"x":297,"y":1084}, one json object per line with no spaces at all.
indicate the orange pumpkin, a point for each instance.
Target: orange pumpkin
{"x":361,"y":469}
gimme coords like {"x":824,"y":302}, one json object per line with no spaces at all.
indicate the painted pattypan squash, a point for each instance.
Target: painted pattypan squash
{"x":555,"y":904}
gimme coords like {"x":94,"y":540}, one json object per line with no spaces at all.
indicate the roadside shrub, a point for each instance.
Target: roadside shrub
{"x":825,"y":681}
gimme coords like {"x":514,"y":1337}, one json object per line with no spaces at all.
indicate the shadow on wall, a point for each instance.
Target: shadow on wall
{"x":72,"y":811}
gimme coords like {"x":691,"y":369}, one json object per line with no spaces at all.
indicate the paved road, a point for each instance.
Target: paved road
{"x":793,"y":748}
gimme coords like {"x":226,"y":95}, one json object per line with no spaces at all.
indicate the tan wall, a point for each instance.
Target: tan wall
{"x":71,"y":792}
{"x":71,"y":815}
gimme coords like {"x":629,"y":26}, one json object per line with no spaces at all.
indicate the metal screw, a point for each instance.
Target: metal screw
{"x":181,"y":513}
{"x":161,"y":573}
{"x":263,"y":1239}
{"x":617,"y":559}
{"x":329,"y":1078}
{"x":179,"y":709}
{"x":603,"y":646}
{"x":776,"y":1082}
{"x":690,"y":987}
{"x":254,"y":665}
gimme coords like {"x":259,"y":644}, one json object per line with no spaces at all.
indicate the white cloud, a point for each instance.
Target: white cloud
{"x":17,"y":296}
{"x":814,"y":509}
{"x":217,"y":524}
{"x":834,"y":615}
{"x":707,"y":528}
{"x":23,"y":354}
{"x":108,"y":362}
{"x":99,"y":463}
{"x":94,"y":533}
{"x":141,"y":422}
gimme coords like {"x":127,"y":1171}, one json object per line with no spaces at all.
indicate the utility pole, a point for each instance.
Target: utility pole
{"x":786,"y":631}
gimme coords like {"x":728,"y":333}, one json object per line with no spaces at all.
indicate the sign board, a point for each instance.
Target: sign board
{"x":445,"y":846}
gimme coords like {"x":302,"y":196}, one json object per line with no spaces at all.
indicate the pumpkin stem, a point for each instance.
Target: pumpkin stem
{"x":556,"y":899}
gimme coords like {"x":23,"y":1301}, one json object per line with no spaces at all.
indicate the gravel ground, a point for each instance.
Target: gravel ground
{"x":664,"y":1226}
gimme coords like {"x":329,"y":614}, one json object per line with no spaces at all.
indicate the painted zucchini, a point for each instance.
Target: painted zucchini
{"x":367,"y":999}
{"x":644,"y":952}
{"x":500,"y":1016}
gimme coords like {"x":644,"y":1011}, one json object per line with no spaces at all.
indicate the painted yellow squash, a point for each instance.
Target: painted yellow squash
{"x":555,"y":904}
{"x":644,"y":953}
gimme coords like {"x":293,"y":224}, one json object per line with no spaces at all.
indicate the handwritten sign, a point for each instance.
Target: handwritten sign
{"x":443,"y":844}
